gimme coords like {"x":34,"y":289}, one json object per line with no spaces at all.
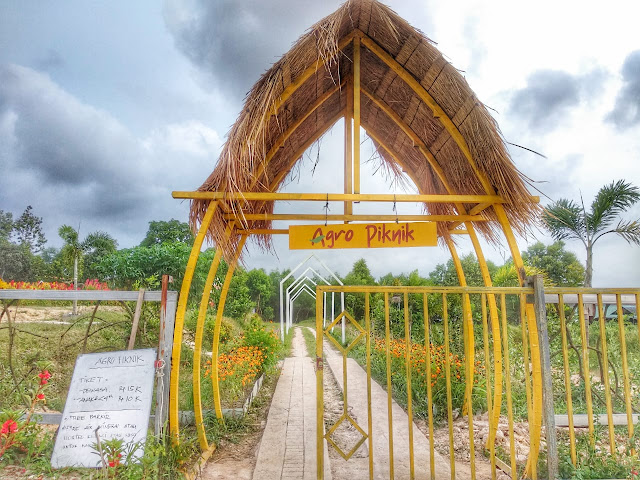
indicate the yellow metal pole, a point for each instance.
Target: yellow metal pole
{"x":348,"y":149}
{"x":567,"y":379}
{"x":407,"y":362}
{"x":367,"y":316}
{"x":466,"y":312}
{"x":447,"y":377}
{"x":487,"y":361}
{"x":605,"y":375}
{"x":507,"y":368}
{"x":469,"y":367}
{"x":387,"y":335}
{"x":356,"y":115}
{"x":352,"y":218}
{"x":280,"y":141}
{"x":536,"y":391}
{"x":339,"y":197}
{"x":437,"y":110}
{"x":536,"y":416}
{"x":308,"y":72}
{"x":586,"y":369}
{"x":216,"y":329}
{"x":427,"y":346}
{"x":494,"y":416}
{"x":525,"y":355}
{"x":174,"y":390}
{"x":197,"y":350}
{"x":319,"y":390}
{"x":625,"y":367}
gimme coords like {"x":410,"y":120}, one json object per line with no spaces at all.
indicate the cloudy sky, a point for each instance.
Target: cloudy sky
{"x":106,"y":107}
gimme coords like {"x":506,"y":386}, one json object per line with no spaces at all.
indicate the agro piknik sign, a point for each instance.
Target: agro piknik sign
{"x":363,"y":235}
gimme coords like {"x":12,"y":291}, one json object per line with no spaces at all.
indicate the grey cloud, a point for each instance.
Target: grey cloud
{"x":551,"y":93}
{"x":60,"y":139}
{"x":75,"y":163}
{"x":626,"y":111}
{"x":236,"y":41}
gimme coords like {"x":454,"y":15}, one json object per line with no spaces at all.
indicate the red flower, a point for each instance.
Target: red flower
{"x":44,"y":376}
{"x":40,"y":396}
{"x":10,"y":426}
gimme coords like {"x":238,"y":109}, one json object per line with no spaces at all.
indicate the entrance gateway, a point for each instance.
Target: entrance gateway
{"x":368,"y":67}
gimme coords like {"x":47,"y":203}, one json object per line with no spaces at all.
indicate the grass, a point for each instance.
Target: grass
{"x":310,"y":341}
{"x":57,"y":345}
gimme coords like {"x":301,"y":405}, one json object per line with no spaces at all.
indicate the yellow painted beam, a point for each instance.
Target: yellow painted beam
{"x":304,"y":76}
{"x":354,"y":218}
{"x":264,"y":231}
{"x":536,"y":417}
{"x":216,"y":329}
{"x":348,"y":148}
{"x":437,"y":110}
{"x":356,"y":115}
{"x":275,"y":183}
{"x":338,"y":197}
{"x":197,"y":350}
{"x":174,"y":426}
{"x":292,"y":128}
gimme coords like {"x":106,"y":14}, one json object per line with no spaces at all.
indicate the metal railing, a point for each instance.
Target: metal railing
{"x":478,"y":351}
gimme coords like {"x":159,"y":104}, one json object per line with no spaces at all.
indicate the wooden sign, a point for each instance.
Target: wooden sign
{"x":110,"y":392}
{"x":363,"y":235}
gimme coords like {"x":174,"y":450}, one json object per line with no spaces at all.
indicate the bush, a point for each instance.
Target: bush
{"x":257,"y":336}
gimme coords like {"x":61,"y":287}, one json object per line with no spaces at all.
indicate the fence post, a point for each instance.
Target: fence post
{"x":547,"y":384}
{"x":168,"y":306}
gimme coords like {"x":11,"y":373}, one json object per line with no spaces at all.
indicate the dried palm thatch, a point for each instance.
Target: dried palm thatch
{"x":283,"y":104}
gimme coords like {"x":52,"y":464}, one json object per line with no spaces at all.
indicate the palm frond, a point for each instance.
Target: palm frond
{"x":564,"y":220}
{"x":69,"y":235}
{"x":630,"y":231}
{"x":99,"y":240}
{"x":609,"y":203}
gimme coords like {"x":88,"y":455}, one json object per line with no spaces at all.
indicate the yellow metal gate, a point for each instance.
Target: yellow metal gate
{"x":453,"y":358}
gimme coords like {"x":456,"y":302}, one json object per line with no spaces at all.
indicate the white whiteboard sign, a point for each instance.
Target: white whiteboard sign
{"x":109,"y":390}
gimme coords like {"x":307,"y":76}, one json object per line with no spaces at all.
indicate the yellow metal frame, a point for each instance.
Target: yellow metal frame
{"x":465,"y":216}
{"x":445,"y":293}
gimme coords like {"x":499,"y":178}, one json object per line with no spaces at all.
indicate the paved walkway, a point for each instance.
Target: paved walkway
{"x":288,"y":446}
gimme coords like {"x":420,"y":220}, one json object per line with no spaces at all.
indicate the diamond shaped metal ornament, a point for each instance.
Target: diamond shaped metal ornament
{"x":335,"y":426}
{"x":337,"y":344}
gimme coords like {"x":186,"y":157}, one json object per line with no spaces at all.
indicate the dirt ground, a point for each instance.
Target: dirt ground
{"x":346,"y":436}
{"x":60,"y":315}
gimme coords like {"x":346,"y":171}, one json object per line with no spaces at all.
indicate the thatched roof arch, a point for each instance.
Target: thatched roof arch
{"x":419,"y":110}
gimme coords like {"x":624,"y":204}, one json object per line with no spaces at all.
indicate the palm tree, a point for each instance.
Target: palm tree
{"x":566,"y":220}
{"x":74,"y":250}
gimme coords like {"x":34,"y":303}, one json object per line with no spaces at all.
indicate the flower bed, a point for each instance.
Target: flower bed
{"x":244,"y":359}
{"x":89,"y":284}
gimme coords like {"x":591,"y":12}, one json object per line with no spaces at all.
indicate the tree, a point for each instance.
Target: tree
{"x":167,"y":232}
{"x":260,"y":287}
{"x":561,"y":267}
{"x":73,"y":250}
{"x":6,"y":225}
{"x":566,"y":220}
{"x":448,"y":276}
{"x":359,"y":274}
{"x":28,"y":231}
{"x":19,"y":240}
